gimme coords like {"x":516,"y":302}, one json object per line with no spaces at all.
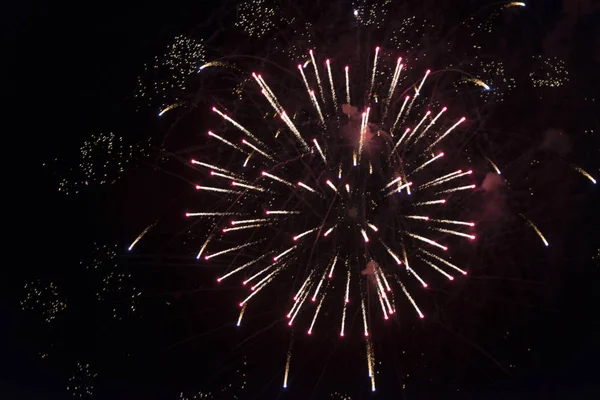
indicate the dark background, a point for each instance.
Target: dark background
{"x":76,"y":69}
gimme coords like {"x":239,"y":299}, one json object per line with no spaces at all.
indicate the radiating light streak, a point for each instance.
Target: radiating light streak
{"x":374,"y":71}
{"x":239,"y":228}
{"x":269,"y":277}
{"x":399,"y":189}
{"x":340,"y":172}
{"x":316,"y":103}
{"x":287,"y":367}
{"x":354,"y":161}
{"x":391,"y":253}
{"x":398,"y":142}
{"x":316,"y":315}
{"x":456,"y":189}
{"x":373,"y":227}
{"x":214,"y":189}
{"x":395,"y":77}
{"x":449,"y":221}
{"x":364,"y":235}
{"x":259,"y":151}
{"x":385,"y":316}
{"x":448,"y":179}
{"x":225,"y":141}
{"x":430,"y":202}
{"x":399,"y":115}
{"x":259,"y":273}
{"x":141,"y":235}
{"x":438,"y":269}
{"x":256,"y":290}
{"x":462,"y":271}
{"x":212,"y":167}
{"x":329,"y":230}
{"x":231,"y":178}
{"x":304,"y":78}
{"x":430,"y":124}
{"x":347,"y":70}
{"x":472,"y":237}
{"x":249,"y":221}
{"x":426,"y":163}
{"x":277,"y":257}
{"x":305,"y":233}
{"x":280,"y":212}
{"x":398,"y":179}
{"x":319,"y":150}
{"x":364,"y":315}
{"x":406,"y":185}
{"x":331,"y":84}
{"x":238,"y":269}
{"x":332,"y":267}
{"x":301,"y":290}
{"x":332,"y":186}
{"x":370,"y":168}
{"x":293,"y":128}
{"x":421,"y":217}
{"x":418,"y":126}
{"x":535,"y":228}
{"x":259,"y":189}
{"x":319,"y":285}
{"x":347,"y":188}
{"x":268,"y":93}
{"x":382,"y":291}
{"x":314,"y":63}
{"x":422,"y":82}
{"x":203,"y":247}
{"x":168,"y":108}
{"x":431,"y":182}
{"x":460,"y":121}
{"x":278,"y":179}
{"x":363,"y":128}
{"x":413,"y":272}
{"x":584,"y":173}
{"x":242,"y":246}
{"x":426,"y":240}
{"x":239,"y":321}
{"x":347,"y":297}
{"x":298,"y":308}
{"x":302,"y":185}
{"x":385,"y":281}
{"x":237,"y":125}
{"x":411,"y":299}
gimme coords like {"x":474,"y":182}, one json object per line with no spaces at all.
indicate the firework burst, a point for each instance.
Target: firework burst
{"x":355,"y":200}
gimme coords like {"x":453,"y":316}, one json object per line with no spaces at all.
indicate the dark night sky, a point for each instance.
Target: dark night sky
{"x":77,"y":65}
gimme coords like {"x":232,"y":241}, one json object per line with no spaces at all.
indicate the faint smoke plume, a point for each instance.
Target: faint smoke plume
{"x":556,"y":142}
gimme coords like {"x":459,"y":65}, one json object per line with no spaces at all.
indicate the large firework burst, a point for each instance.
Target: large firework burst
{"x":352,"y":194}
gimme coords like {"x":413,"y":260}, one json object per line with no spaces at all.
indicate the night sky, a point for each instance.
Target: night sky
{"x":153,"y":324}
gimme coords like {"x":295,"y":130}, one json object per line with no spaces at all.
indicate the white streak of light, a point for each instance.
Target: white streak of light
{"x":214,"y":189}
{"x":305,"y":233}
{"x":277,"y":257}
{"x":424,"y":239}
{"x":306,"y":187}
{"x":438,"y":269}
{"x":444,"y":261}
{"x":232,"y":249}
{"x":244,"y":141}
{"x":460,"y":121}
{"x":278,"y":179}
{"x":319,"y":150}
{"x":472,"y":237}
